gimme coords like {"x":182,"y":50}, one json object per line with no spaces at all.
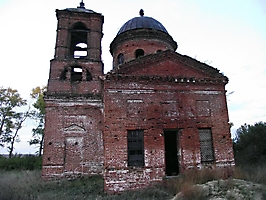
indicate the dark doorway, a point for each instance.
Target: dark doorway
{"x":171,"y":158}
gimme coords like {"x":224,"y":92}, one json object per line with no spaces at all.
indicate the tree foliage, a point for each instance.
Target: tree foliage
{"x":10,"y":118}
{"x":250,"y":144}
{"x":38,"y":115}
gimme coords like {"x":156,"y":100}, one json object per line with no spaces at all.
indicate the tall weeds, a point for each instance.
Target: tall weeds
{"x":253,"y":173}
{"x":27,"y":184}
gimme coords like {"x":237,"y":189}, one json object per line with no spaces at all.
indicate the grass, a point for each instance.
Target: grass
{"x":27,"y":184}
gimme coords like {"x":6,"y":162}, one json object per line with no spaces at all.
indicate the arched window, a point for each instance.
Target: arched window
{"x":120,"y":59}
{"x":139,"y":52}
{"x":78,"y":46}
{"x":76,"y":74}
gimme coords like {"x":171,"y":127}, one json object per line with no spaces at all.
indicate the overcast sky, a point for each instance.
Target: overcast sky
{"x":227,"y":34}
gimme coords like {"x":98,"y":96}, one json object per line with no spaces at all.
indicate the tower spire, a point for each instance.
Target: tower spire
{"x":81,"y":5}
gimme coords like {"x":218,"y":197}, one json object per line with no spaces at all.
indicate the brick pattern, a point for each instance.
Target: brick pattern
{"x":73,"y":139}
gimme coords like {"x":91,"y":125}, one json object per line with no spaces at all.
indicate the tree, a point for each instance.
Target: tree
{"x":250,"y":143}
{"x":38,"y":115}
{"x":12,"y":136}
{"x":10,"y":118}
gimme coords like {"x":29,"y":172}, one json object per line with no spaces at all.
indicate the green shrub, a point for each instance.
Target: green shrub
{"x":249,"y":144}
{"x":19,"y":162}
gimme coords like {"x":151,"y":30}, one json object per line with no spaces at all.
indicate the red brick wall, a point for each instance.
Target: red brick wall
{"x":160,"y":106}
{"x":56,"y":85}
{"x":128,"y":48}
{"x":73,"y":143}
{"x":73,"y":138}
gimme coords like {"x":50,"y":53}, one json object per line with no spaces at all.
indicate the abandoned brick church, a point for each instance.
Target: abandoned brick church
{"x":156,"y":114}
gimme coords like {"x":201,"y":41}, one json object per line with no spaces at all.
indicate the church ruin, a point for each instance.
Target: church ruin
{"x":156,"y":114}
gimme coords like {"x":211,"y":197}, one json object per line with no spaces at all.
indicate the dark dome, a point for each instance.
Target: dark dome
{"x":140,"y":23}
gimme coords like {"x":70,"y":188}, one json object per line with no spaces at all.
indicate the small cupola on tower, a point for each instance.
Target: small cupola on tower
{"x":138,"y":37}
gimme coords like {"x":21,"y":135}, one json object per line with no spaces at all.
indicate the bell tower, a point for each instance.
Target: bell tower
{"x":77,"y":63}
{"x":73,"y":131}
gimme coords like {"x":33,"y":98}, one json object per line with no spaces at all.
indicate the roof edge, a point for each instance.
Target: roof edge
{"x":186,"y":60}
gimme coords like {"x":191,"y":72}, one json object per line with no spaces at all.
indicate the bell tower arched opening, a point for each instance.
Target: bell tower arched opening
{"x":78,"y":45}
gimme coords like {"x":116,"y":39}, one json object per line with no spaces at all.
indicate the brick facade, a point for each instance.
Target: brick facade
{"x":73,"y":129}
{"x":152,"y":116}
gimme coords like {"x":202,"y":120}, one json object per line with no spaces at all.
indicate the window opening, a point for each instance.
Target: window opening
{"x":76,"y":74}
{"x":135,"y":148}
{"x":78,"y":46}
{"x":139,"y":52}
{"x":80,"y":50}
{"x":120,"y":59}
{"x":206,"y":145}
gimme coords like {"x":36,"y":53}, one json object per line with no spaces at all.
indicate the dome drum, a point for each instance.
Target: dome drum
{"x":143,"y":34}
{"x":150,"y":41}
